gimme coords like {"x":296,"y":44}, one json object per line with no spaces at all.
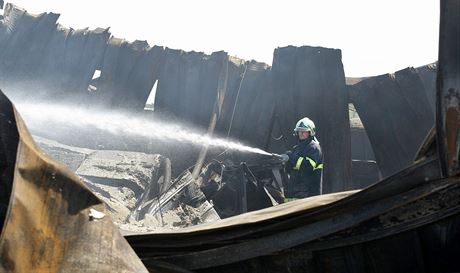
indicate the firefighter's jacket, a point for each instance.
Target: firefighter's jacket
{"x":305,"y":166}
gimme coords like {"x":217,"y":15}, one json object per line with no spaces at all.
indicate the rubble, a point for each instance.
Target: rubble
{"x":119,"y":178}
{"x":174,"y":219}
{"x":142,"y":196}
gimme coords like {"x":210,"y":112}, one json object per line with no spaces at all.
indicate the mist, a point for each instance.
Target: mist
{"x":59,"y":118}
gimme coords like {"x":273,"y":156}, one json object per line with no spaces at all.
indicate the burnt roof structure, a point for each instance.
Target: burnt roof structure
{"x":407,"y":222}
{"x":43,"y":60}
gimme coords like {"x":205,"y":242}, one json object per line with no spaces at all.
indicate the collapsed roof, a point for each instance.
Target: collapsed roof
{"x":399,"y":214}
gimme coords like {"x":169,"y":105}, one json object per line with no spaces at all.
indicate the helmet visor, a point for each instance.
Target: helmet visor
{"x":298,"y":129}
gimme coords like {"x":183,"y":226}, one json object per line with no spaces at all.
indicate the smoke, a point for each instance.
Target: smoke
{"x":59,"y":117}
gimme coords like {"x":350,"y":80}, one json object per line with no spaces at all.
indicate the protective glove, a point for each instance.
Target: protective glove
{"x":290,"y":156}
{"x":284,"y":157}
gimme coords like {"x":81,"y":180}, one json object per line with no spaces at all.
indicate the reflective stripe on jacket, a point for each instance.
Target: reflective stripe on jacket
{"x":305,"y":167}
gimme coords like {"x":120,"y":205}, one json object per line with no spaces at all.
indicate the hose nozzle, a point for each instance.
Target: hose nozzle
{"x":282,"y":157}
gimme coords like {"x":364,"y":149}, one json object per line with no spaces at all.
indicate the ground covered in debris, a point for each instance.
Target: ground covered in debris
{"x":119,"y":178}
{"x":180,"y":217}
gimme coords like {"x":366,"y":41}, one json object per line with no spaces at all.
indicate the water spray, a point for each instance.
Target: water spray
{"x":40,"y":115}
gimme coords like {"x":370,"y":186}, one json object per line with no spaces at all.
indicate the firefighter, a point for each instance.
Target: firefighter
{"x":304,"y":162}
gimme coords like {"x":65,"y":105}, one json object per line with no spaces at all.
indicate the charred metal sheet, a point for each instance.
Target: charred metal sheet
{"x":42,"y":54}
{"x":364,"y":169}
{"x":227,"y":230}
{"x":191,"y":89}
{"x":181,"y":85}
{"x":54,"y":223}
{"x":83,"y":54}
{"x":365,"y":173}
{"x":292,"y":230}
{"x":424,"y":211}
{"x":408,"y":222}
{"x":249,"y":104}
{"x":60,"y":62}
{"x":428,"y":147}
{"x":427,"y":74}
{"x":186,"y":82}
{"x":426,"y":242}
{"x":9,"y":139}
{"x":395,"y":111}
{"x":222,"y":82}
{"x":361,"y":148}
{"x":309,"y":81}
{"x":418,"y":207}
{"x":448,"y":88}
{"x":128,"y":73}
{"x":420,"y":215}
{"x":26,"y":40}
{"x":258,"y":236}
{"x":239,"y":187}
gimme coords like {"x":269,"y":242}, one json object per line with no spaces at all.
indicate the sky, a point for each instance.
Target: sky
{"x":376,"y":37}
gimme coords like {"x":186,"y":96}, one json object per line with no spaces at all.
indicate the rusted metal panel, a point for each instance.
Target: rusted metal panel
{"x":54,"y":223}
{"x":448,"y":88}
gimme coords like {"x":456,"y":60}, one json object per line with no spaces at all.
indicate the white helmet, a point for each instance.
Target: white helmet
{"x":305,"y":124}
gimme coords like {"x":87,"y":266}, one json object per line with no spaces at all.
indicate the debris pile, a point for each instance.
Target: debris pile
{"x":119,"y":179}
{"x":142,"y":196}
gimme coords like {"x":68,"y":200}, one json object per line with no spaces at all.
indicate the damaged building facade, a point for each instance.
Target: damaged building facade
{"x":257,"y":104}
